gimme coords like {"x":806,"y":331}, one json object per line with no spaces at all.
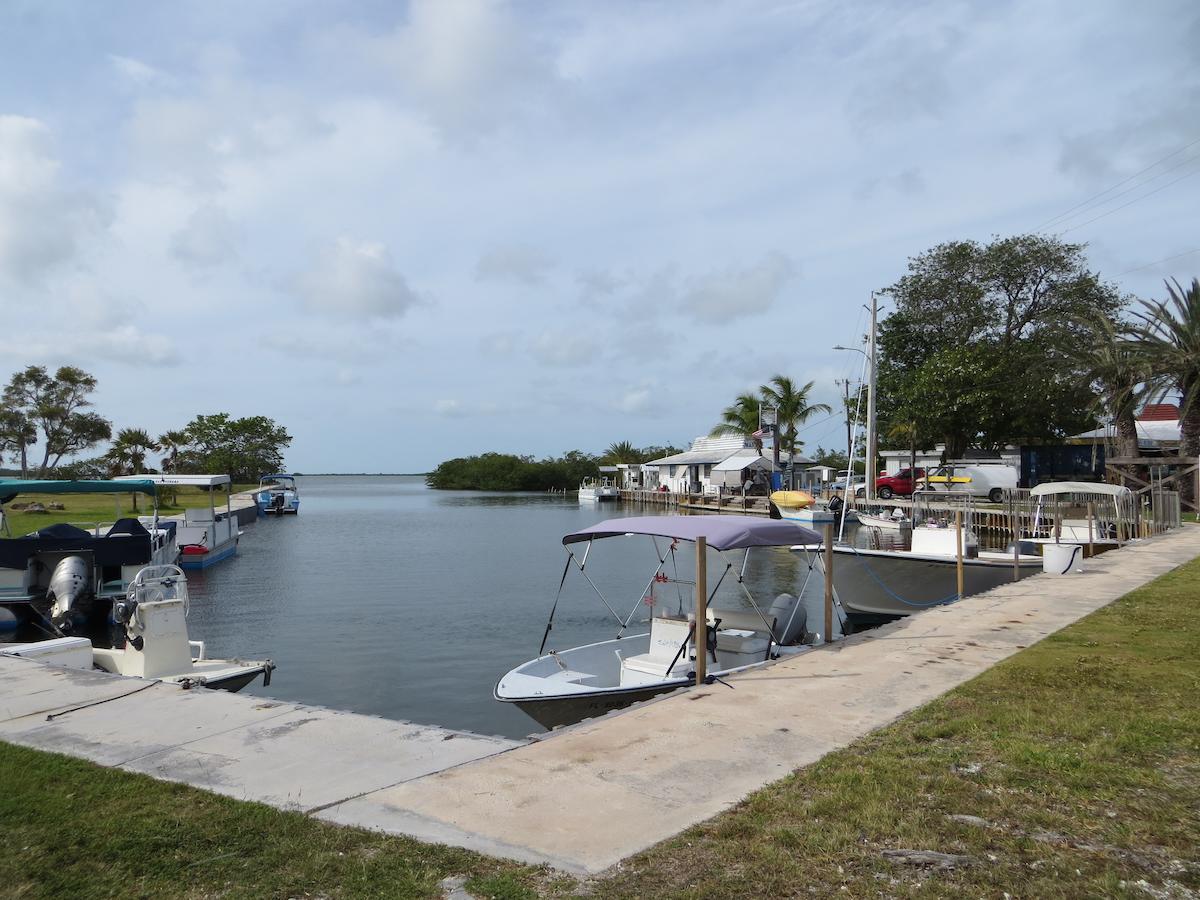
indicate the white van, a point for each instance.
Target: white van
{"x":980,"y":479}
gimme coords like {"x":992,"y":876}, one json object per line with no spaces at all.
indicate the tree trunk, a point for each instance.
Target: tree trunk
{"x":1189,"y":445}
{"x":1127,"y":439}
{"x":24,"y":460}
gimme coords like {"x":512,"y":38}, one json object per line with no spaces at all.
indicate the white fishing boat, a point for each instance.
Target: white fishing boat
{"x":277,"y":495}
{"x":65,"y":577}
{"x":155,"y":645}
{"x":560,"y":687}
{"x":895,"y":521}
{"x":875,"y":586}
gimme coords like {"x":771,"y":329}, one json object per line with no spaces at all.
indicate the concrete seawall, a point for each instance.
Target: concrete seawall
{"x":584,"y":798}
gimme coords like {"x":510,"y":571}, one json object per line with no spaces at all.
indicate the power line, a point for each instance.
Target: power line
{"x":1120,"y":183}
{"x":1131,"y":202}
{"x":1159,"y":262}
{"x":1137,"y":187}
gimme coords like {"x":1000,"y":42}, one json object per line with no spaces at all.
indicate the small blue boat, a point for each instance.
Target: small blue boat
{"x":277,"y":495}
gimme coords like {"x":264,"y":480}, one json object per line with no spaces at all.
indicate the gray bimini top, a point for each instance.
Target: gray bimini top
{"x":720,"y":532}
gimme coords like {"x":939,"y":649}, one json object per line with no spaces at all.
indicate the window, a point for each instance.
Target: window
{"x":708,"y":469}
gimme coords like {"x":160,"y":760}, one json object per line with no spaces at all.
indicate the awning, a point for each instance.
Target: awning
{"x":720,"y":532}
{"x":193,"y":480}
{"x":1078,"y":487}
{"x":11,"y":487}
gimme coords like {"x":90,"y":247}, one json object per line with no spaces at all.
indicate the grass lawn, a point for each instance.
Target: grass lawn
{"x":91,"y":509}
{"x":1073,"y":770}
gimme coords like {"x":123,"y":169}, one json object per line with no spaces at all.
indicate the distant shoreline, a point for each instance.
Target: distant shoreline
{"x":360,"y":474}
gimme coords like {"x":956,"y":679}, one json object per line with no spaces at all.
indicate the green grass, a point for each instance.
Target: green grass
{"x":92,"y":509}
{"x":1081,"y":755}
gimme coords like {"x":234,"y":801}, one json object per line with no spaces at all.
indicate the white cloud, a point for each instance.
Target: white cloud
{"x":733,"y":293}
{"x":43,"y":224}
{"x":515,"y":262}
{"x":356,"y":280}
{"x":563,"y":349}
{"x":638,"y":400}
{"x":127,"y":345}
{"x":499,"y":344}
{"x":136,"y":71}
{"x":208,"y":238}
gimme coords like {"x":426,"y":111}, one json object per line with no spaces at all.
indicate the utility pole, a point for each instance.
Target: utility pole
{"x":845,"y":383}
{"x":872,"y":436}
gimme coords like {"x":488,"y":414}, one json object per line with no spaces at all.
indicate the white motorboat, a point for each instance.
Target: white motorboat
{"x":153,"y":617}
{"x":591,"y":489}
{"x":561,"y":687}
{"x":277,"y":495}
{"x":66,"y":578}
{"x":875,"y":586}
{"x":205,"y":536}
{"x":897,"y":521}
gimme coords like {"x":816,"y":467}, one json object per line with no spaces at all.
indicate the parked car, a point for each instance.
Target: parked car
{"x":902,"y":484}
{"x":858,"y":483}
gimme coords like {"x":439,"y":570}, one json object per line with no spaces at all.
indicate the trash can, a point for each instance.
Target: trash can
{"x":1062,"y":559}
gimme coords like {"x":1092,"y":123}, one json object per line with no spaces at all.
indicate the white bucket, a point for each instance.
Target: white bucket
{"x":1062,"y":559}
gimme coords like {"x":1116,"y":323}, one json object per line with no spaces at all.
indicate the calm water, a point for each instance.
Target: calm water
{"x":387,"y":598}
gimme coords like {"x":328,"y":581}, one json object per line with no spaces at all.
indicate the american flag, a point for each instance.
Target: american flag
{"x":764,"y":431}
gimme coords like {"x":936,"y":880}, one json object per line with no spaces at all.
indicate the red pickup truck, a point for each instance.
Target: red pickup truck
{"x":902,"y":484}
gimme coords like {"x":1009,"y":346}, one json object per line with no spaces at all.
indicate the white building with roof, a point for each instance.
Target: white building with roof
{"x":715,"y":463}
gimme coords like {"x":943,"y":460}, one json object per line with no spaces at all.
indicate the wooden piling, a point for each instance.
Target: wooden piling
{"x":828,"y":582}
{"x":701,"y":633}
{"x":1091,"y":510}
{"x":958,"y":549}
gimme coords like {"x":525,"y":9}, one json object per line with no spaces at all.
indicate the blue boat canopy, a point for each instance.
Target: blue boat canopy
{"x":719,"y":532}
{"x":11,"y":487}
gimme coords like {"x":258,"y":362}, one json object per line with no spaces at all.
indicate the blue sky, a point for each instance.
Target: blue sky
{"x":409,"y":232}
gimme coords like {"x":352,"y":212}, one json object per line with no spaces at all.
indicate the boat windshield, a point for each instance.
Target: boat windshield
{"x":937,"y":509}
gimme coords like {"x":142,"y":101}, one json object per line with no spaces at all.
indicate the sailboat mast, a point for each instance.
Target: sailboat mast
{"x":872,"y":429}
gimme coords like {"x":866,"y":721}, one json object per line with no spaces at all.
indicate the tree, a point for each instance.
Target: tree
{"x":794,"y":408}
{"x":741,"y":417}
{"x":986,"y":341}
{"x":17,"y":434}
{"x":55,"y":405}
{"x":622,"y":452}
{"x":1167,"y":336}
{"x":170,"y":443}
{"x":1116,"y":370}
{"x":127,"y":455}
{"x":245,"y":449}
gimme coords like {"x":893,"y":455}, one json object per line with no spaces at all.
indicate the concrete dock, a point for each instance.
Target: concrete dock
{"x":584,"y":798}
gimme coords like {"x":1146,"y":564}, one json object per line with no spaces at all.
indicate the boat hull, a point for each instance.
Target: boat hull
{"x":554,"y":712}
{"x":875,"y":586}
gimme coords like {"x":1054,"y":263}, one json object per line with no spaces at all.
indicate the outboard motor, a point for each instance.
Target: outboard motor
{"x":277,"y":501}
{"x":790,"y":618}
{"x":70,"y":585}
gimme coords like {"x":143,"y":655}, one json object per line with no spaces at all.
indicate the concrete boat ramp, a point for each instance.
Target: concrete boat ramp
{"x":583,"y":798}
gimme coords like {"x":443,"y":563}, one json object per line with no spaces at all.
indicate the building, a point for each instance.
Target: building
{"x":712,"y":465}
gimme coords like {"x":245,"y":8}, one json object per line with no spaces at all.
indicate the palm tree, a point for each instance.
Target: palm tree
{"x":794,"y":409}
{"x":128,"y":452}
{"x":170,"y":443}
{"x":1167,"y":334}
{"x":622,"y":452}
{"x":1116,"y":369}
{"x":741,"y":417}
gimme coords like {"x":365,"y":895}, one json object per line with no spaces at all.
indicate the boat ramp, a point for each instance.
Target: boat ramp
{"x":585,"y":797}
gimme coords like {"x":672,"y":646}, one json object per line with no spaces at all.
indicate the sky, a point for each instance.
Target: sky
{"x":415,"y":231}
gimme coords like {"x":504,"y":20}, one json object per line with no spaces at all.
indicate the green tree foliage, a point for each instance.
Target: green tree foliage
{"x":171,"y":443}
{"x":1116,"y":371}
{"x":625,"y":452}
{"x":56,"y":405}
{"x":986,"y":343}
{"x":245,"y":449}
{"x":127,"y":455}
{"x":508,"y":472}
{"x":794,"y":409}
{"x":740,"y":417}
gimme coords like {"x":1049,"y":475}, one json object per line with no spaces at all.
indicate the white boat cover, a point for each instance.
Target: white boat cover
{"x":1078,"y":487}
{"x":720,"y":532}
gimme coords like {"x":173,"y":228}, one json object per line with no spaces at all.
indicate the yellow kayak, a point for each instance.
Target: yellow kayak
{"x":792,"y":499}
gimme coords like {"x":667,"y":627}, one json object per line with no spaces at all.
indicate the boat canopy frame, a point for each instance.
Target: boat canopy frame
{"x":729,"y":533}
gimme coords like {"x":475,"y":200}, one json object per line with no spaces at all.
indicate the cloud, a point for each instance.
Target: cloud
{"x":356,"y":280}
{"x":43,"y":224}
{"x":468,"y":63}
{"x":499,"y":344}
{"x":125,"y":344}
{"x":208,"y":238}
{"x":734,"y":293}
{"x":563,"y":349}
{"x":136,"y":71}
{"x":598,"y":283}
{"x":638,"y":400}
{"x":526,"y":265}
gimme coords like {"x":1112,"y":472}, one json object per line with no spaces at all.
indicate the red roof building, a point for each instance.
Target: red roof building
{"x":1159,"y":412}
